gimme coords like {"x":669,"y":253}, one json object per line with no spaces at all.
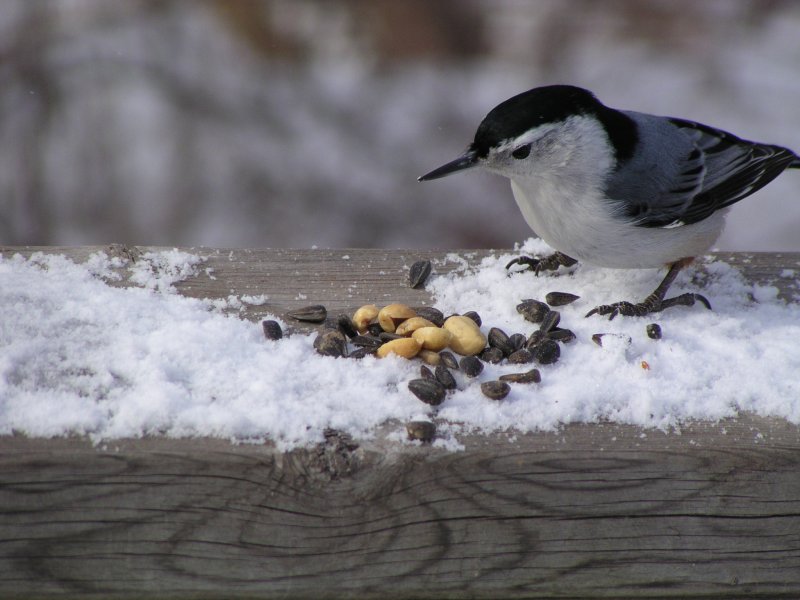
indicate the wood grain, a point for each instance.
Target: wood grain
{"x":603,"y":510}
{"x":592,"y":511}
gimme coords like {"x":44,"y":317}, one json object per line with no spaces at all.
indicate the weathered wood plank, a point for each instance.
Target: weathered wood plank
{"x":591,"y":511}
{"x":594,"y":511}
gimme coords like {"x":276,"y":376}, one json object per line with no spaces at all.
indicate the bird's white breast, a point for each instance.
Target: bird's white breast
{"x":583,"y":227}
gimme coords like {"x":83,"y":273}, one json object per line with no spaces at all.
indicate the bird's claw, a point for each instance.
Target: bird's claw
{"x":650,"y":305}
{"x":547,"y":263}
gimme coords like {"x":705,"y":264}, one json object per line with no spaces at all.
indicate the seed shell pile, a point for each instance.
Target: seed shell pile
{"x":445,"y":344}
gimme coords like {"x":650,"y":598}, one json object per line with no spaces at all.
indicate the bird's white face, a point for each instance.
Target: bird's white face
{"x":575,"y":148}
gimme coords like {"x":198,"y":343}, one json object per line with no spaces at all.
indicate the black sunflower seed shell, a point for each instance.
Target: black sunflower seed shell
{"x":532,"y":310}
{"x":360,"y":353}
{"x":499,"y":339}
{"x":536,"y":338}
{"x":434,"y":315}
{"x":532,"y":376}
{"x":445,"y":377}
{"x":520,"y":357}
{"x":560,"y":298}
{"x":448,"y":359}
{"x":654,"y":331}
{"x":272,"y":329}
{"x":345,"y":324}
{"x":418,"y":274}
{"x":386,"y":336}
{"x":316,"y":313}
{"x":496,"y":390}
{"x":331,"y":343}
{"x":550,"y":320}
{"x":547,"y":352}
{"x":423,"y":431}
{"x":367,"y":341}
{"x":517,"y":341}
{"x":374,"y":329}
{"x":429,"y":391}
{"x":471,"y":366}
{"x":491,"y":355}
{"x":565,"y":336}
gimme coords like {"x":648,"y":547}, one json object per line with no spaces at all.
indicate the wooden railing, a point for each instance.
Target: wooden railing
{"x":590,"y":511}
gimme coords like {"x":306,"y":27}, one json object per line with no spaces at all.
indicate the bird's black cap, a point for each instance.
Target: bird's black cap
{"x":551,"y":104}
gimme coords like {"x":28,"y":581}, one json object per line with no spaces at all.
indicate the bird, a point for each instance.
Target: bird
{"x":617,"y":188}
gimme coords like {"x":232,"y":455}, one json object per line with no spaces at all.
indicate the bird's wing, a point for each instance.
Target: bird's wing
{"x":719,"y":170}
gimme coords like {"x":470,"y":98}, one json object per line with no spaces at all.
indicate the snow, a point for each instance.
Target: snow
{"x":83,"y":357}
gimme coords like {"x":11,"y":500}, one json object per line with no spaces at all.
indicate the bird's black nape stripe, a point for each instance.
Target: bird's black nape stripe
{"x":622,"y":132}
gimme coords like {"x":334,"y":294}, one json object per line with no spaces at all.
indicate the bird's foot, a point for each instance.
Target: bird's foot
{"x":548,"y":263}
{"x":651,"y":304}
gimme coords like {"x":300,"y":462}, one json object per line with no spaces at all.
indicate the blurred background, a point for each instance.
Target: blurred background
{"x":306,"y":122}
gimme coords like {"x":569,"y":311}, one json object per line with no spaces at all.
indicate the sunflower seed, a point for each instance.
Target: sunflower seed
{"x":471,"y":366}
{"x":385,"y":336}
{"x":430,"y":391}
{"x":374,"y":329}
{"x":517,"y":341}
{"x":499,"y":339}
{"x":331,"y":343}
{"x":532,"y":310}
{"x":421,"y":430}
{"x":426,"y":373}
{"x":272,"y":330}
{"x":345,"y":324}
{"x":550,"y":320}
{"x":496,"y":390}
{"x":521,"y":356}
{"x":419,"y":272}
{"x":536,"y":338}
{"x":565,"y":336}
{"x":433,"y":315}
{"x":445,"y":377}
{"x":546,"y":353}
{"x":360,"y":353}
{"x":491,"y":355}
{"x":367,"y":341}
{"x":532,"y":376}
{"x":560,"y":298}
{"x":316,"y":313}
{"x":654,"y":331}
{"x":449,"y":359}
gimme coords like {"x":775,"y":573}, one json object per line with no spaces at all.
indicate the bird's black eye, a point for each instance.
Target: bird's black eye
{"x":522,"y":152}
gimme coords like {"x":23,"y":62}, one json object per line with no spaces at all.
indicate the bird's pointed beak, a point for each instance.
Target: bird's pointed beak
{"x":466,"y":161}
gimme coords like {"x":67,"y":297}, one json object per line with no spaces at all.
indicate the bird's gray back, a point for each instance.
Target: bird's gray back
{"x":682,"y":171}
{"x":654,"y":169}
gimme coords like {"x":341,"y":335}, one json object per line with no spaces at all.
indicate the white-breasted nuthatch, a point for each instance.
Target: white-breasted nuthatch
{"x":617,"y":188}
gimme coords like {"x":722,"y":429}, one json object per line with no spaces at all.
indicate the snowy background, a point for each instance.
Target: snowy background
{"x":301,"y":122}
